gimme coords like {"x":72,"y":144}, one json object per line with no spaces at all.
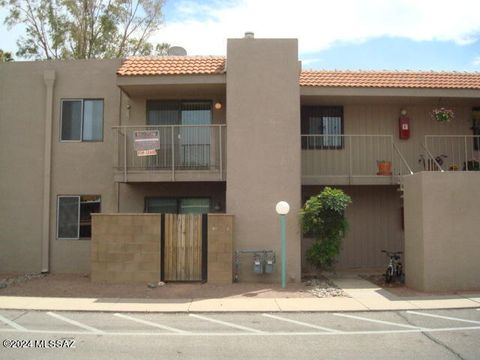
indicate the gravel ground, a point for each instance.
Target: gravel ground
{"x":75,"y":285}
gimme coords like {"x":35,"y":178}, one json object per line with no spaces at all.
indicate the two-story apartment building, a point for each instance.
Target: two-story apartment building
{"x":236,"y":135}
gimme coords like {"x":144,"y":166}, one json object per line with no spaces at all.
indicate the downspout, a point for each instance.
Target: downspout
{"x":49,"y":79}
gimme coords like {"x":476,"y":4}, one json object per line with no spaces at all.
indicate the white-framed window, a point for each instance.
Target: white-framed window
{"x":74,"y":220}
{"x":81,"y":120}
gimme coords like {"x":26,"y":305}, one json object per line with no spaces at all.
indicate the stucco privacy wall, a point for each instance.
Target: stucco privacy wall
{"x":125,"y":248}
{"x":263,"y":147}
{"x":442,"y":243}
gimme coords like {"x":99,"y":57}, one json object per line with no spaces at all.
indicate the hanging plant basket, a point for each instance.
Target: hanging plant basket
{"x":442,"y":114}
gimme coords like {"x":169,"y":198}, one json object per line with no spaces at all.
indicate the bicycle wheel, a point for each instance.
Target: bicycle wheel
{"x":388,"y":275}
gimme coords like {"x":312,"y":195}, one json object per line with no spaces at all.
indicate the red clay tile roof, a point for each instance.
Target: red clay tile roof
{"x":172,"y":65}
{"x":209,"y":65}
{"x":391,"y":79}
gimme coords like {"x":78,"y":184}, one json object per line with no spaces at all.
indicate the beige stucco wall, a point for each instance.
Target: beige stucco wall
{"x":375,"y":223}
{"x":442,"y":244}
{"x":263,"y":147}
{"x":78,"y":168}
{"x":22,"y":124}
{"x":380,"y":116}
{"x":125,"y":248}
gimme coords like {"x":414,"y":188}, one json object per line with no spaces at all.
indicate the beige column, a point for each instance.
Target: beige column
{"x":49,"y":79}
{"x":263,"y":148}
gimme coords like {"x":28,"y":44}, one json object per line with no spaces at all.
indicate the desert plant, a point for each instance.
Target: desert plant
{"x":323,"y":216}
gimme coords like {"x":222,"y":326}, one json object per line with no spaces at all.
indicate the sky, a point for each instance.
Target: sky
{"x":335,"y":34}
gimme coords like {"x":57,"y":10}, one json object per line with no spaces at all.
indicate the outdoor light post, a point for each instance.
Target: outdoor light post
{"x":282,"y":209}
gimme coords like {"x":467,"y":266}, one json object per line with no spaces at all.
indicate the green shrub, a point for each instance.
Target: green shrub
{"x":323,"y":216}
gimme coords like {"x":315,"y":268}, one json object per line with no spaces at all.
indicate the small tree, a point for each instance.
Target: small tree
{"x":323,"y":216}
{"x":5,"y":56}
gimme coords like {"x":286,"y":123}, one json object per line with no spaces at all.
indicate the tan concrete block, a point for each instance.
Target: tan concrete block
{"x":150,"y":248}
{"x":115,"y":266}
{"x":146,"y":276}
{"x":141,"y":257}
{"x":220,"y":278}
{"x":149,"y":266}
{"x":133,"y":247}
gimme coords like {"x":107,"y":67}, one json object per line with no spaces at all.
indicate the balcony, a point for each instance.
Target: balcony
{"x":186,"y":153}
{"x":451,"y":153}
{"x":351,"y":160}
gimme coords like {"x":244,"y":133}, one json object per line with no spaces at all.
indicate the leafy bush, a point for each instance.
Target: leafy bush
{"x":323,"y":216}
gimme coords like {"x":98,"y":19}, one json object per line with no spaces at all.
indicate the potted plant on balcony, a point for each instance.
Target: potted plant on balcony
{"x":442,"y":114}
{"x":384,"y":167}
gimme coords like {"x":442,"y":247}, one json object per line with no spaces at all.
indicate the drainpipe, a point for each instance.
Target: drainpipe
{"x":49,"y":79}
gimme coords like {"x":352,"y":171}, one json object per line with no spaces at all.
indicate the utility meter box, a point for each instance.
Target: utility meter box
{"x":269,"y":266}
{"x":257,"y":266}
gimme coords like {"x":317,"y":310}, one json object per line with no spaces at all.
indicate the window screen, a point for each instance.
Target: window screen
{"x":68,"y":215}
{"x":74,"y":216}
{"x":93,"y":120}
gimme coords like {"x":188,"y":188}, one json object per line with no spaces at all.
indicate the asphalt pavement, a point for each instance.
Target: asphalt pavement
{"x":410,"y":334}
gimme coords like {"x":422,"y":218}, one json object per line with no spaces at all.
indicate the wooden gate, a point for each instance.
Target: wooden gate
{"x":184,"y":247}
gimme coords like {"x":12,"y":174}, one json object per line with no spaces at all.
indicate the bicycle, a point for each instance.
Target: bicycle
{"x":395,"y":267}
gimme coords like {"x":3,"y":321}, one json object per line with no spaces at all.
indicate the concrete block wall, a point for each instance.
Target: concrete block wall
{"x":125,"y":248}
{"x":220,"y":248}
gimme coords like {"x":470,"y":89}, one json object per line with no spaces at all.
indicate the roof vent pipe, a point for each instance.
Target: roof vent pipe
{"x":249,"y":35}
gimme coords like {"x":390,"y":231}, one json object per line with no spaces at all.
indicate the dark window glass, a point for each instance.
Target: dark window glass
{"x":177,"y":205}
{"x":322,"y":127}
{"x":71,"y":119}
{"x":161,"y":205}
{"x":192,"y":143}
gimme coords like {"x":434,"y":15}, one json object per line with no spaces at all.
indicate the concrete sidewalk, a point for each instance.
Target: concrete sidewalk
{"x":363,"y":296}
